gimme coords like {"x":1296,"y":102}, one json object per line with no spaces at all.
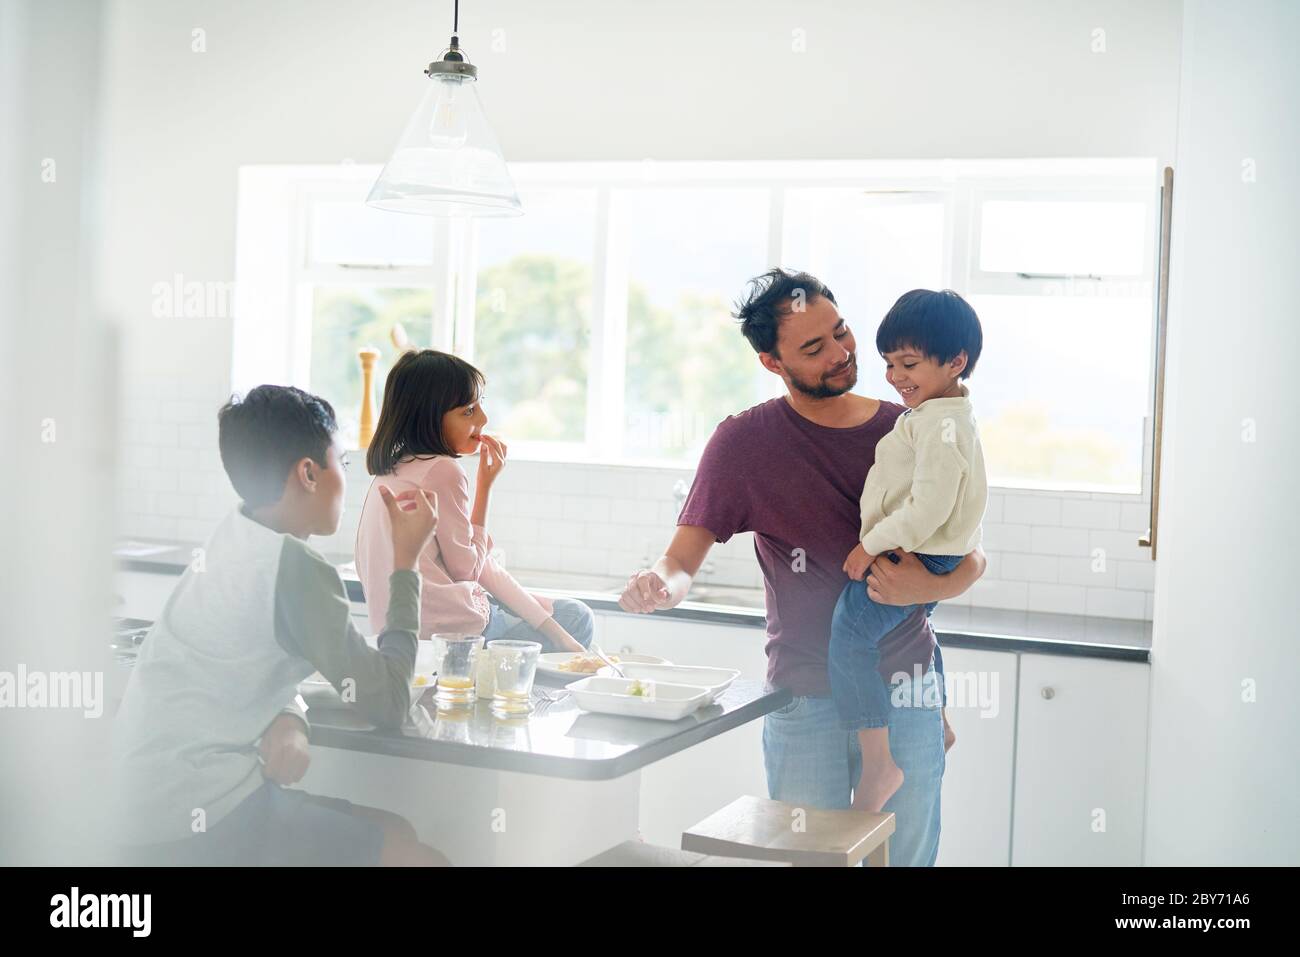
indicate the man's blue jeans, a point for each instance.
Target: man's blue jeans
{"x":858,"y":625}
{"x":812,"y":761}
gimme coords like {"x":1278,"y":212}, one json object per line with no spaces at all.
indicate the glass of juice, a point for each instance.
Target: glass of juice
{"x":514,"y":665}
{"x":455,"y":658}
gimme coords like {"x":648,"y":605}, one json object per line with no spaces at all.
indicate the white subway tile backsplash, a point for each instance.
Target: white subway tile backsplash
{"x":190,"y":436}
{"x":1046,"y":540}
{"x":175,"y":504}
{"x":608,"y":520}
{"x":1031,"y":510}
{"x":1090,"y":572}
{"x":555,"y":533}
{"x":586,"y":509}
{"x":156,"y":480}
{"x":1084,"y":514}
{"x":1137,"y":575}
{"x":1006,"y":538}
{"x":992,"y":593}
{"x":1015,"y":566}
{"x":1135,"y":517}
{"x":1118,"y":546}
{"x":1058,"y":599}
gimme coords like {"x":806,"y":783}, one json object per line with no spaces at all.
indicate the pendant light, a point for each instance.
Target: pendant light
{"x":447,"y":162}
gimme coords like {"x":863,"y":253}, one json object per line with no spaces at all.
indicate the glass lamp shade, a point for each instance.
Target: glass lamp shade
{"x":447,"y":162}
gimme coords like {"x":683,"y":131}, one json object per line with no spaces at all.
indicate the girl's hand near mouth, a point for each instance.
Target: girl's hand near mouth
{"x":491,"y":459}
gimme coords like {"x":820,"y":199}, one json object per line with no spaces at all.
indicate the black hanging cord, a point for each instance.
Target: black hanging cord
{"x":455,"y":17}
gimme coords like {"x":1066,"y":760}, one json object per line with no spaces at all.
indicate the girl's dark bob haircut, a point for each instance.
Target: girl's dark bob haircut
{"x":941,"y":325}
{"x":421,"y":388}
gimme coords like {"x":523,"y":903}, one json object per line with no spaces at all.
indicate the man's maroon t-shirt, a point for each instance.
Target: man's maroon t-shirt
{"x":796,"y":485}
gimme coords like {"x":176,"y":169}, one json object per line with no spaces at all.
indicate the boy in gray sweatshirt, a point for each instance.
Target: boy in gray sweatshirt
{"x":208,"y":731}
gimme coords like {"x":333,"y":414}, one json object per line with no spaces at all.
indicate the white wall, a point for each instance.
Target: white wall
{"x":297,"y":82}
{"x":1223,"y":773}
{"x":57,"y":430}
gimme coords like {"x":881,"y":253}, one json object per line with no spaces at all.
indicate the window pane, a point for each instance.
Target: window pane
{"x":345,"y":318}
{"x":690,"y":253}
{"x":869,"y":249}
{"x":532,"y":318}
{"x":1061,"y":389}
{"x":353,"y":233}
{"x":1070,"y":237}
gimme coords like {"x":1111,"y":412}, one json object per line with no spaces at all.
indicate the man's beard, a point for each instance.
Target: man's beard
{"x":821,"y":390}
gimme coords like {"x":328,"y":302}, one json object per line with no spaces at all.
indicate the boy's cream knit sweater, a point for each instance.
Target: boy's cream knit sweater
{"x":927,"y":491}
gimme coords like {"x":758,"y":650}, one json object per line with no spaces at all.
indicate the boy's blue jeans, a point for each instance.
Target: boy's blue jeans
{"x":860,"y":695}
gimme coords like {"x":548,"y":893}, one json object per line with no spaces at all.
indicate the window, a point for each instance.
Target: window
{"x":1062,"y":281}
{"x":344,"y":319}
{"x":532,"y":315}
{"x":688,"y":253}
{"x":869,"y":248}
{"x":602,"y":317}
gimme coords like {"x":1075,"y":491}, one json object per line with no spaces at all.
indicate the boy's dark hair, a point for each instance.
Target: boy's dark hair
{"x":767,"y":301}
{"x":422,"y":387}
{"x":941,"y":325}
{"x":266,"y":433}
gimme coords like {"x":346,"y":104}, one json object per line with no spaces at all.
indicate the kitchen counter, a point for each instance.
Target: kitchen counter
{"x":957,"y":626}
{"x":558,"y":740}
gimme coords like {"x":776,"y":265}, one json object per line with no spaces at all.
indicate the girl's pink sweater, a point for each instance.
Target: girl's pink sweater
{"x":456,"y":569}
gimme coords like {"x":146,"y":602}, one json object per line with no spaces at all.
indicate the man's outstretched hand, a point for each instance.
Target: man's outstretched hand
{"x":645,"y":592}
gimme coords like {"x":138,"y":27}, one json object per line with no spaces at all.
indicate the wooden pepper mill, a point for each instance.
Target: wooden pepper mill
{"x":367,"y":355}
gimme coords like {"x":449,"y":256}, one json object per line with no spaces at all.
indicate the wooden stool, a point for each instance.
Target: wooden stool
{"x":767,"y":830}
{"x":641,"y":854}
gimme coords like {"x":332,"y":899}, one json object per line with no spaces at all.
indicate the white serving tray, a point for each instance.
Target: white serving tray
{"x":609,"y":696}
{"x":713,"y":680}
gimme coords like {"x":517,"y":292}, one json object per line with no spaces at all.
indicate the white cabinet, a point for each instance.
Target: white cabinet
{"x":978,"y":779}
{"x":1080,"y":762}
{"x":687,"y":787}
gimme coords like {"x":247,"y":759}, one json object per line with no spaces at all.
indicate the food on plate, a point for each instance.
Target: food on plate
{"x":641,"y":689}
{"x":585,"y":664}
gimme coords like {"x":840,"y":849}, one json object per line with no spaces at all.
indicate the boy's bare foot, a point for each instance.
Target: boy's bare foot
{"x":881,"y":777}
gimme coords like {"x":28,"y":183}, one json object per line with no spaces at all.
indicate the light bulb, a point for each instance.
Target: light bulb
{"x":448,"y":129}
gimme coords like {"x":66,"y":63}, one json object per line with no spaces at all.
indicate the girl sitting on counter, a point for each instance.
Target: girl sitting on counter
{"x":432,"y":414}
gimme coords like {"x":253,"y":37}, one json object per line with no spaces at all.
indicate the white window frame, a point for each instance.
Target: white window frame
{"x":960,"y":185}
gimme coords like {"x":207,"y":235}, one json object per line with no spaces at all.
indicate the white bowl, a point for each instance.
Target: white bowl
{"x":713,"y":680}
{"x":609,"y":696}
{"x":549,"y":663}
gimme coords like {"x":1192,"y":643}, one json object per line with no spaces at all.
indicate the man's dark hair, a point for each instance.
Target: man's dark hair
{"x":769,"y":299}
{"x":265,"y":434}
{"x":940,"y":325}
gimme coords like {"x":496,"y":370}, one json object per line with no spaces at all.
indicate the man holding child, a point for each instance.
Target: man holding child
{"x":791,"y":470}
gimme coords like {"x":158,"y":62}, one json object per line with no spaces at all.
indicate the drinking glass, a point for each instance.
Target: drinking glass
{"x":455,"y":657}
{"x":514,"y":665}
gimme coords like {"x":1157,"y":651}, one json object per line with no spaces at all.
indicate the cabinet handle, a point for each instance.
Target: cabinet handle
{"x":1048,"y":694}
{"x":1162,"y":333}
{"x":626,"y":650}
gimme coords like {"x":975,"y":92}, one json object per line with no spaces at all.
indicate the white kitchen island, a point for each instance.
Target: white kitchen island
{"x":552,"y":789}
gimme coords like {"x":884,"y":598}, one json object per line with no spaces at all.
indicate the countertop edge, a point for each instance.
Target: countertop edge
{"x":520,"y":762}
